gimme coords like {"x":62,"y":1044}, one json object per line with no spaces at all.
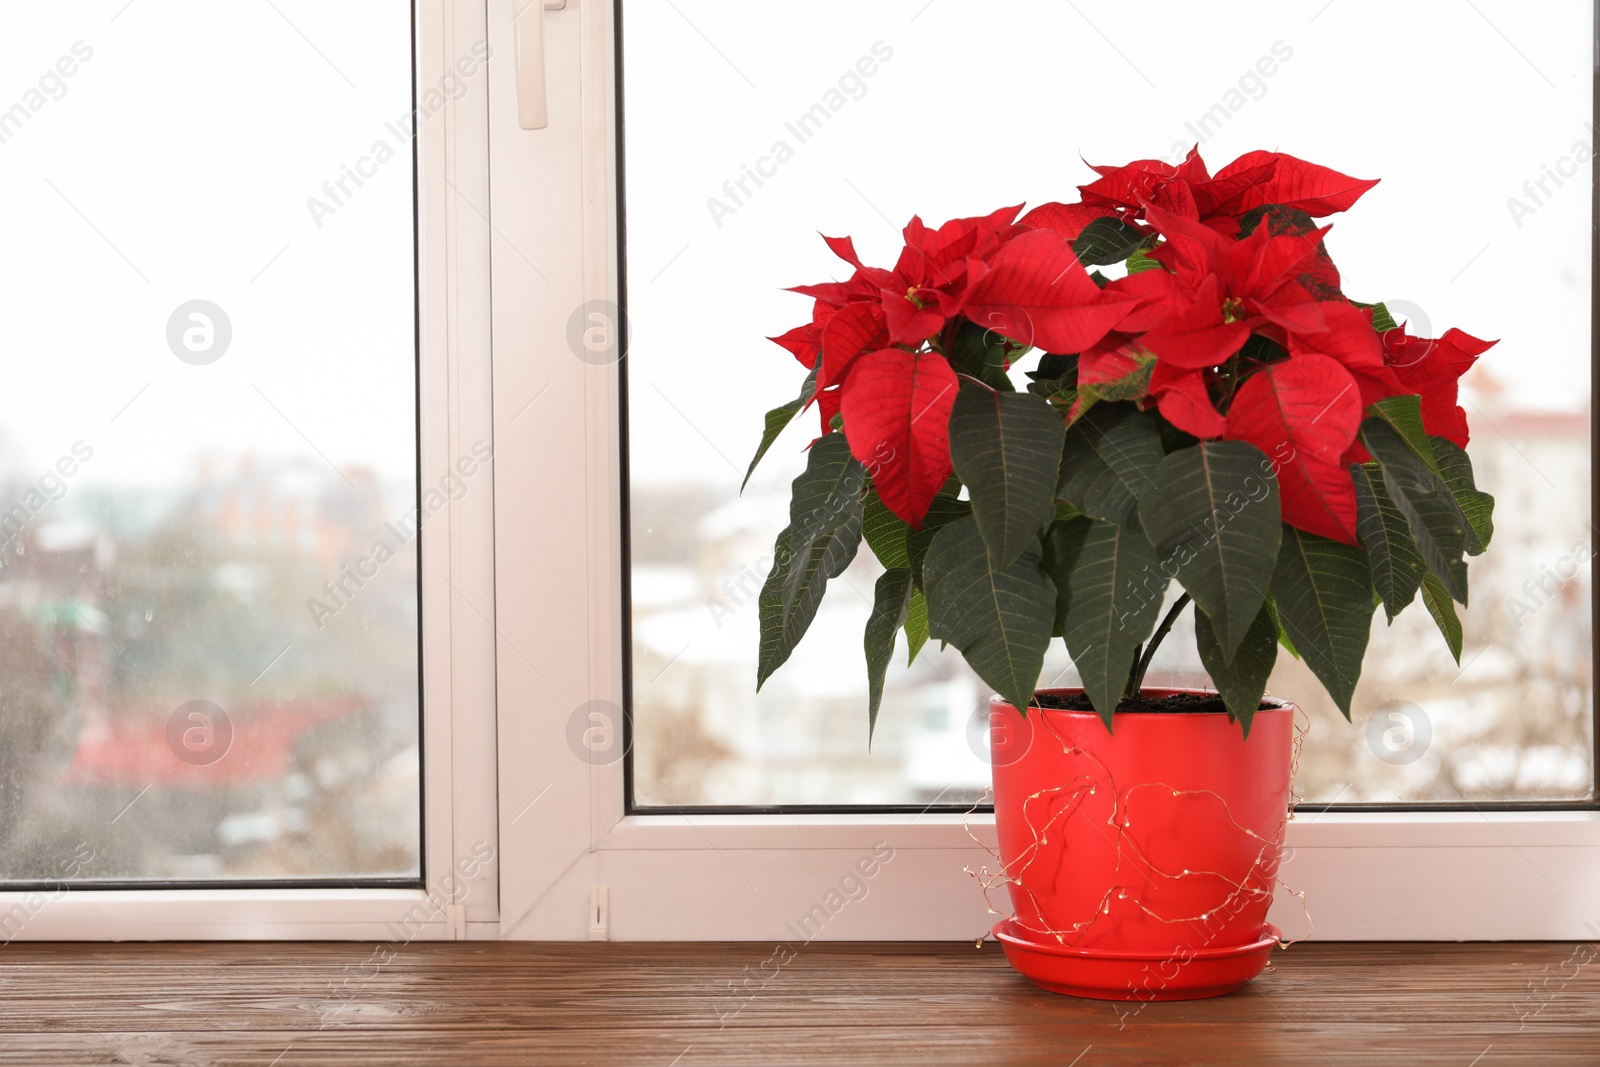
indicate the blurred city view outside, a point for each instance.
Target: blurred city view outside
{"x":208,"y":426}
{"x":1513,"y":721}
{"x":168,"y":699}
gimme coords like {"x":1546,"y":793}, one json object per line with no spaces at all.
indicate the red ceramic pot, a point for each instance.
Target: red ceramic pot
{"x":1140,"y":862}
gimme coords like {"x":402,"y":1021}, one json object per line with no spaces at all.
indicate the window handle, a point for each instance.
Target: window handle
{"x":527,"y":22}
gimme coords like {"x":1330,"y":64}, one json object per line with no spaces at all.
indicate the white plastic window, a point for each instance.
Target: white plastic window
{"x":746,"y":136}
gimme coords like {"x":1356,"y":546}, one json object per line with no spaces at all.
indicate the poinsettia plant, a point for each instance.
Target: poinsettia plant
{"x":1218,"y":414}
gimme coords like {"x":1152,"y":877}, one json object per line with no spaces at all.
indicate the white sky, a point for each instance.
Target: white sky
{"x":192,"y":138}
{"x":984,"y":105}
{"x":191,"y":141}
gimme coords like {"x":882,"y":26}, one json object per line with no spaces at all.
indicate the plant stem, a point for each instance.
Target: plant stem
{"x":1136,"y":682}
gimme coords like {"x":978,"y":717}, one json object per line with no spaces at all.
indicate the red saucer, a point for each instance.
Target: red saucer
{"x":1109,"y":975}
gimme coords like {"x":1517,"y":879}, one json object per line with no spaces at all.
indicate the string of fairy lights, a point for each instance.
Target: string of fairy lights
{"x":1259,"y":883}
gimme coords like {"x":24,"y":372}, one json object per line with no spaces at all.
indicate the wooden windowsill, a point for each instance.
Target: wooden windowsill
{"x":486,"y":1004}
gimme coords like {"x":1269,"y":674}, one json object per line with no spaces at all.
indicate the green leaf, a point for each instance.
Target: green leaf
{"x":1437,"y":598}
{"x":983,"y":354}
{"x":1437,"y":526}
{"x":1404,"y":414}
{"x":825,"y":505}
{"x":1323,"y":592}
{"x":1214,"y":509}
{"x":1069,"y":402}
{"x":944,"y":510}
{"x":1061,"y":544}
{"x":1107,"y":240}
{"x":1321,"y":280}
{"x":1477,"y":507}
{"x":1054,"y":368}
{"x":887,"y":534}
{"x":916,"y":625}
{"x":1109,"y":587}
{"x":821,"y":539}
{"x":1131,"y":386}
{"x":1283,"y":635}
{"x":1063,"y":389}
{"x":1396,"y":568}
{"x":1174,"y":439}
{"x":1000,"y":620}
{"x":1055,"y":379}
{"x":1109,"y":458}
{"x":1382,"y":321}
{"x":1242,"y":682}
{"x":782,"y":628}
{"x":1259,"y":349}
{"x":1280,"y":220}
{"x":1006,"y":448}
{"x":780,"y":631}
{"x":1140,"y":262}
{"x":777,"y":419}
{"x":891,"y":601}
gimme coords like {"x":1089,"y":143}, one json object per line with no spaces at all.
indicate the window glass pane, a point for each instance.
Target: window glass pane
{"x":209,"y":420}
{"x":745,"y":137}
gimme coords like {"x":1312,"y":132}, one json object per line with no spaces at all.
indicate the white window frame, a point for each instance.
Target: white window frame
{"x":542,"y":558}
{"x":575,"y":866}
{"x":458,"y":592}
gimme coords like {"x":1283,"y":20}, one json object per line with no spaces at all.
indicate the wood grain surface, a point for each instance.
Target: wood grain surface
{"x":486,"y":1004}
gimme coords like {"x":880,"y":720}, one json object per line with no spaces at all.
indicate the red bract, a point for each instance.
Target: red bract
{"x":1206,"y":398}
{"x":1303,"y":413}
{"x":1289,"y":183}
{"x":1254,"y":180}
{"x":1185,"y":401}
{"x":1222,"y":291}
{"x":936,"y":270}
{"x":1199,"y":334}
{"x":1037,"y":293}
{"x":1259,"y":274}
{"x":1230,"y":322}
{"x":1432,"y":369}
{"x":1148,"y":181}
{"x":851,"y":331}
{"x":896,"y":407}
{"x":806,"y":341}
{"x":1065,"y":219}
{"x":828,"y":406}
{"x":1351,"y":342}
